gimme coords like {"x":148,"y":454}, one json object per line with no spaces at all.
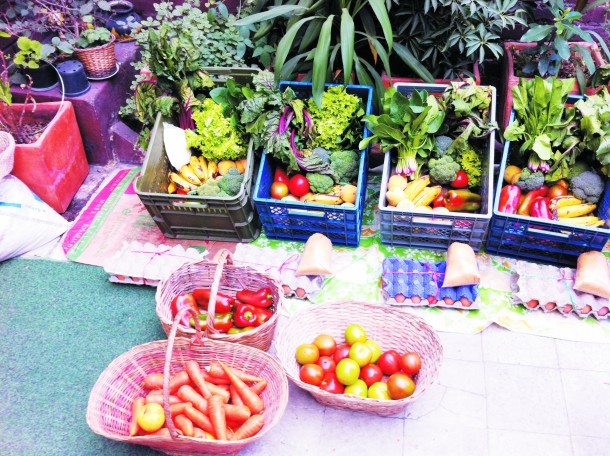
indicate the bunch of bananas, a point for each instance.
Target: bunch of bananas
{"x":417,"y":193}
{"x":192,"y":175}
{"x":570,"y":209}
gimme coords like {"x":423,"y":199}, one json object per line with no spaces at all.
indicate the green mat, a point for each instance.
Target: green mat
{"x":62,"y":324}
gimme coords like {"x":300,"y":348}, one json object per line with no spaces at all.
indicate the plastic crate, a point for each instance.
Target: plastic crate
{"x":296,"y":221}
{"x":432,"y":230}
{"x":543,"y":241}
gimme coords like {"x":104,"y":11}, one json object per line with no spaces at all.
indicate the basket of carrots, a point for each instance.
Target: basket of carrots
{"x":189,"y":396}
{"x":234,"y":303}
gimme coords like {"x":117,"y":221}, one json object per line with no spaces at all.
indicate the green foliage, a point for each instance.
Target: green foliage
{"x":93,"y":37}
{"x":470,"y":161}
{"x":32,"y":52}
{"x":595,"y":124}
{"x":443,"y":170}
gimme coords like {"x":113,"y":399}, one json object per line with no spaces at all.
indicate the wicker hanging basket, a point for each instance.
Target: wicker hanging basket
{"x":221,"y":275}
{"x":7,"y":153}
{"x":110,"y":402}
{"x":390,"y":327}
{"x":99,"y":62}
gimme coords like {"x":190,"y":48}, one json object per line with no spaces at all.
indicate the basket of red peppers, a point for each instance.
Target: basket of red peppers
{"x":233,"y":303}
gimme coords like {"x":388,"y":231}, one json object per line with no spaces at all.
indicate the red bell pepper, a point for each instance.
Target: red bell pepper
{"x":263,"y":315}
{"x":223,"y":322}
{"x":462,"y":201}
{"x":524,"y":207}
{"x":245,"y":315}
{"x":509,"y":199}
{"x":439,"y":201}
{"x":224,"y":302}
{"x":540,"y":208}
{"x":184,"y":300}
{"x":203,"y":321}
{"x":260,"y":298}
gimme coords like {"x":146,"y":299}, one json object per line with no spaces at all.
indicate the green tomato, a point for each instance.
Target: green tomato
{"x":379,"y":390}
{"x":348,"y":371}
{"x":354,"y":333}
{"x":358,"y":388}
{"x":375,"y":349}
{"x":361,"y":353}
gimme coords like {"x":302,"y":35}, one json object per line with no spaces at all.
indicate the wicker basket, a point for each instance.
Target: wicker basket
{"x":7,"y":153}
{"x":222,"y":275}
{"x":390,"y":327}
{"x":99,"y":62}
{"x":110,"y":401}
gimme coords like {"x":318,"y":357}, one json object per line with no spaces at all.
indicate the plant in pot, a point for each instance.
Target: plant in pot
{"x":95,"y":49}
{"x":34,"y":60}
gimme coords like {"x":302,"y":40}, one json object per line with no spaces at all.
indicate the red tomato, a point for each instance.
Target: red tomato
{"x":279,"y":190}
{"x":439,"y":201}
{"x":410,"y":363}
{"x":461,"y":180}
{"x":327,"y":364}
{"x":312,"y":374}
{"x":389,"y":362}
{"x":326,"y":344}
{"x":280,"y":176}
{"x":400,"y":386}
{"x":298,"y":185}
{"x":331,"y":384}
{"x":371,"y":373}
{"x":341,"y":352}
{"x":557,"y":190}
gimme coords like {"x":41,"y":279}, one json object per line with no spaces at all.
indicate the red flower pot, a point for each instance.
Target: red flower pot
{"x":387,"y":82}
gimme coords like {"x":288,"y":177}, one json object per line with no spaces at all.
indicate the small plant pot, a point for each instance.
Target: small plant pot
{"x":43,"y":78}
{"x":122,"y":20}
{"x":387,"y":82}
{"x":74,"y":78}
{"x":99,"y":62}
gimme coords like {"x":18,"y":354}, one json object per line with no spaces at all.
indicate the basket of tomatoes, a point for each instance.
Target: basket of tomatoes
{"x":233,"y":303}
{"x":189,"y":395}
{"x":360,"y":356}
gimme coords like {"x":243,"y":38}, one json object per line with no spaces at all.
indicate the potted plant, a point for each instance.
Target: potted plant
{"x":123,"y":20}
{"x":33,"y":58}
{"x":95,"y":49}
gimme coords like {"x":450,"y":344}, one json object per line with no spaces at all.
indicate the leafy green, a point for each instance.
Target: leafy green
{"x":470,"y":161}
{"x":595,"y":123}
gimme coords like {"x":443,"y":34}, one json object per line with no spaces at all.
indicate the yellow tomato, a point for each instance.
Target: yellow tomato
{"x":152,"y":417}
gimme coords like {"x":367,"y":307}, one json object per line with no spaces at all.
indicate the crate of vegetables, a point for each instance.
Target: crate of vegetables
{"x":312,"y":175}
{"x":437,"y":181}
{"x":552,"y":197}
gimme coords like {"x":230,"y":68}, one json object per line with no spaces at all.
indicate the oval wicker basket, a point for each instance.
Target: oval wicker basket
{"x":99,"y":62}
{"x":112,"y":396}
{"x":390,"y":327}
{"x":222,"y":275}
{"x":7,"y":153}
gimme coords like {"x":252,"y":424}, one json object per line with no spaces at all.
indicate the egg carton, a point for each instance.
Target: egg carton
{"x":551,"y":289}
{"x":408,"y":282}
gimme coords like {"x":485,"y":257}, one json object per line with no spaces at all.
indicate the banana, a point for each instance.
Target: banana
{"x":323,"y":198}
{"x":171,"y":187}
{"x":212,"y":169}
{"x":427,"y":196}
{"x":563,"y":201}
{"x":200,"y":171}
{"x":187,"y":172}
{"x":587,"y":220}
{"x":415,"y":187}
{"x":181,"y":182}
{"x":575,"y":211}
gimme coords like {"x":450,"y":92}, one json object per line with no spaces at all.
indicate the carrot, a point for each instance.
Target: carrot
{"x":252,"y":400}
{"x":138,"y":404}
{"x":229,"y":434}
{"x":184,"y":424}
{"x":215,"y":380}
{"x":177,"y":409}
{"x":235,"y":399}
{"x":217,"y":371}
{"x":199,"y":419}
{"x":188,"y":394}
{"x":219,"y":391}
{"x":238,"y":413}
{"x":217,"y":417}
{"x":153,"y":381}
{"x":157,"y":396}
{"x":259,"y":387}
{"x":194,"y":372}
{"x":199,"y":433}
{"x":177,"y":380}
{"x":250,"y":428}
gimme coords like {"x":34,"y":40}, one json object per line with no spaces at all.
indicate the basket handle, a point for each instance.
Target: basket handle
{"x":222,"y":257}
{"x":168,"y":357}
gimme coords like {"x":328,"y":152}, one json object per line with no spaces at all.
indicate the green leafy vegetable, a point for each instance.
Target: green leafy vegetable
{"x":595,"y":123}
{"x":470,"y":161}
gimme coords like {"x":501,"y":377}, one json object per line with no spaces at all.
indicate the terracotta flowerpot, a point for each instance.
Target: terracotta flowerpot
{"x":509,"y":79}
{"x":55,"y":166}
{"x":387,"y":83}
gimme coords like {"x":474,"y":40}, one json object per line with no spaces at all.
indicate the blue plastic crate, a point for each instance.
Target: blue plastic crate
{"x":543,"y":241}
{"x":296,"y":221}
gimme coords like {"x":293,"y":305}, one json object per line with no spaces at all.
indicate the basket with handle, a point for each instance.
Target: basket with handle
{"x":110,"y":402}
{"x":7,"y":153}
{"x":392,"y":328}
{"x":100,"y":61}
{"x":219,"y":275}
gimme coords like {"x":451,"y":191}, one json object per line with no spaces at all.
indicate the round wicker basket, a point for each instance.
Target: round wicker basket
{"x":99,"y":62}
{"x":110,"y":401}
{"x":7,"y":153}
{"x":390,"y":327}
{"x":222,"y":275}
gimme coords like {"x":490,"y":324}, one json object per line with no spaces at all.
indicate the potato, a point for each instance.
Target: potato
{"x":394,"y":196}
{"x":241,"y":165}
{"x":348,"y":193}
{"x":511,"y":174}
{"x":224,"y":166}
{"x":396,"y":180}
{"x":406,"y":205}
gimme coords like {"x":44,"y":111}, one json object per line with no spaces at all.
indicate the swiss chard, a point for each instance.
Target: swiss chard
{"x":595,"y":124}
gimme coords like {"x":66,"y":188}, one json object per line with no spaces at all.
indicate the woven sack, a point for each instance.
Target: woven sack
{"x":390,"y":327}
{"x":7,"y":153}
{"x":99,"y":62}
{"x":110,"y":402}
{"x":222,"y":275}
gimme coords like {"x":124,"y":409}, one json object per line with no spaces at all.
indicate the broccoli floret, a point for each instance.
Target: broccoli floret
{"x":529,"y":180}
{"x":443,"y":170}
{"x":587,"y":186}
{"x":470,"y":161}
{"x":210,"y":188}
{"x":443,"y":143}
{"x":320,"y":183}
{"x":345,"y":164}
{"x":231,"y":182}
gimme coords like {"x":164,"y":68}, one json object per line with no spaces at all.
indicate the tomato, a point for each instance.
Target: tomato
{"x":379,"y":390}
{"x":341,"y":352}
{"x":563,"y":183}
{"x":400,"y":386}
{"x":374,"y":348}
{"x":371,"y":373}
{"x":279,"y":190}
{"x":151,"y":417}
{"x":410,"y":363}
{"x":347,"y":371}
{"x":461,"y":180}
{"x":298,"y":185}
{"x":312,"y":374}
{"x":389,"y":362}
{"x":327,"y":364}
{"x":439,"y":201}
{"x":331,"y":384}
{"x":307,"y":353}
{"x":280,"y":175}
{"x":358,"y":388}
{"x":361,"y":353}
{"x":326,"y":344}
{"x":354,"y":333}
{"x":557,"y":190}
